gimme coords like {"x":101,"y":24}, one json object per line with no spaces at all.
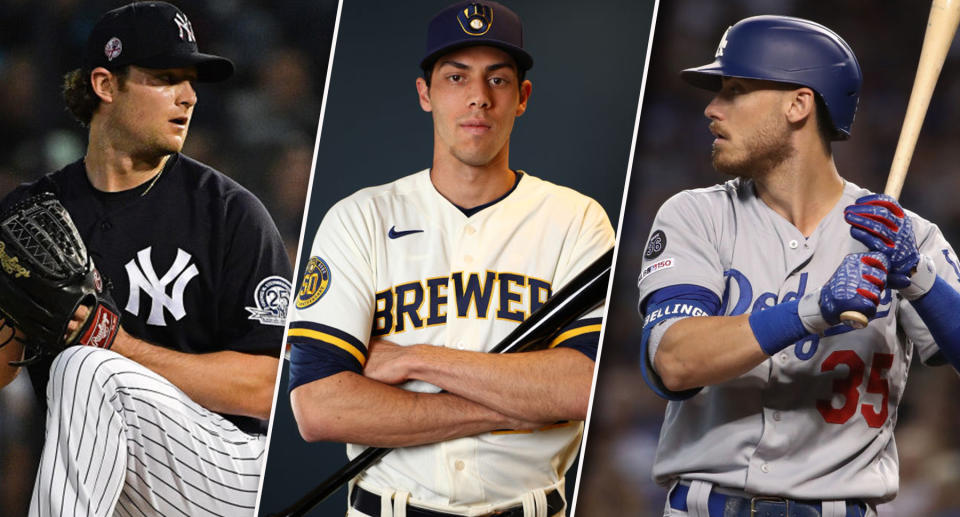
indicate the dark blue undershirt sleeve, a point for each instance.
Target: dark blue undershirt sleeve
{"x":582,"y":335}
{"x":318,"y":351}
{"x":676,"y":301}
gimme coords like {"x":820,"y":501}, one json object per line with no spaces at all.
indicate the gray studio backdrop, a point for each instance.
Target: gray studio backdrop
{"x":577,"y":131}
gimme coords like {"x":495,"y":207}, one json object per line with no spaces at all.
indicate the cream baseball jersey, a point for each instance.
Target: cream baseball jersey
{"x":832,"y":397}
{"x":402,"y":262}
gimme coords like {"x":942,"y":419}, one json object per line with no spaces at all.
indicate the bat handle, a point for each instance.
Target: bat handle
{"x":854,"y":319}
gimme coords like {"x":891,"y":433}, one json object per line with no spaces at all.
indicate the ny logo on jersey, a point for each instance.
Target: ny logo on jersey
{"x":183,"y":24}
{"x":144,"y":278}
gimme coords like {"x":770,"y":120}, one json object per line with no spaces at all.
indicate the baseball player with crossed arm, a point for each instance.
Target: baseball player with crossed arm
{"x":170,"y":420}
{"x":410,"y":283}
{"x":793,"y":413}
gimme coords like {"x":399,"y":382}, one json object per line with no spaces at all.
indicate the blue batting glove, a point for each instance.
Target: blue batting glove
{"x":880,"y":223}
{"x":855,"y":286}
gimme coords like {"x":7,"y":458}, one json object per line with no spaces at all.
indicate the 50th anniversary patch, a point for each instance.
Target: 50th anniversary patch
{"x":316,"y":280}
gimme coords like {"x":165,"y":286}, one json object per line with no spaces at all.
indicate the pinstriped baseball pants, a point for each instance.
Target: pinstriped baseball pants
{"x":123,"y":441}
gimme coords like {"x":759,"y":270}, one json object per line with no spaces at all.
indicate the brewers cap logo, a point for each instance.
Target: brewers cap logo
{"x":113,"y":48}
{"x":656,"y":245}
{"x":476,"y":19}
{"x":316,"y":280}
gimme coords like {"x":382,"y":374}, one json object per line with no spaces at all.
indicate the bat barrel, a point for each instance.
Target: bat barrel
{"x":941,"y":28}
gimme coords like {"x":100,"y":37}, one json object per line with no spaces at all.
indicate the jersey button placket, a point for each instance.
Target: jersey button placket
{"x":798,"y":252}
{"x":467,"y":244}
{"x":461,"y":458}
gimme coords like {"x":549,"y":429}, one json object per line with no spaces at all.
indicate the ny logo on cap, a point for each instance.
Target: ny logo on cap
{"x":184,"y":25}
{"x":476,"y":19}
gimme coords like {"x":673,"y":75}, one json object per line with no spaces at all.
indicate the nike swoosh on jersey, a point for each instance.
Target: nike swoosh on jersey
{"x":393,"y":233}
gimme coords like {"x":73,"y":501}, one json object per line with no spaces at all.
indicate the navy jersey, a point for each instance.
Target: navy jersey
{"x":195,"y":261}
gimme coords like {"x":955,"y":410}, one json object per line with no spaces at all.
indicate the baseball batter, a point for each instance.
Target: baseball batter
{"x":793,"y":412}
{"x":410,"y":283}
{"x":170,"y":420}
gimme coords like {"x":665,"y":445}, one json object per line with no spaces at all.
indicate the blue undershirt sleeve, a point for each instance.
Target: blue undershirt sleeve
{"x":318,"y":351}
{"x":938,"y":309}
{"x":677,"y":301}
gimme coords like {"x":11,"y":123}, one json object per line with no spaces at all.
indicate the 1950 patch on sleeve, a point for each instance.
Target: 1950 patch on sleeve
{"x":316,"y":280}
{"x":273,"y":297}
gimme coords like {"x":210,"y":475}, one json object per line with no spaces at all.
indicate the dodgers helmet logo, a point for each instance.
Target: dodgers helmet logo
{"x":475,"y":19}
{"x":273,"y":297}
{"x":656,"y":245}
{"x":316,"y":280}
{"x":723,"y":44}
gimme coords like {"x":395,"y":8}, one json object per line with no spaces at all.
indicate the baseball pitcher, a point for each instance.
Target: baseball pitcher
{"x":172,"y":274}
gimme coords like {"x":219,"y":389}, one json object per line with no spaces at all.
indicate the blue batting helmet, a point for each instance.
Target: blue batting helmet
{"x":788,"y":50}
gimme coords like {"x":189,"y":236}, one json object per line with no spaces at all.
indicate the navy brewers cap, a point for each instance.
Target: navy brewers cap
{"x":471,"y":23}
{"x":150,"y":35}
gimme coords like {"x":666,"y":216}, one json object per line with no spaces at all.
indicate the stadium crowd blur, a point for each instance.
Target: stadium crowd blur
{"x":673,"y":153}
{"x":258,"y":127}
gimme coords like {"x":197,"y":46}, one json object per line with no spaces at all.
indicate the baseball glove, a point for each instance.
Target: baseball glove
{"x":45,"y":276}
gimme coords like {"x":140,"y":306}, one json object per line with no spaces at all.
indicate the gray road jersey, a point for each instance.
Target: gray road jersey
{"x":816,"y":420}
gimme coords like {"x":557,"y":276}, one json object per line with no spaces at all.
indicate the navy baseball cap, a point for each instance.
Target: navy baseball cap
{"x":470,"y":23}
{"x":150,"y":35}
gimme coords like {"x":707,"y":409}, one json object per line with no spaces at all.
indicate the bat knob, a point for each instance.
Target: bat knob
{"x":853,"y":319}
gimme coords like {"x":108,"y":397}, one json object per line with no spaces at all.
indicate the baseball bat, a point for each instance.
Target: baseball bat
{"x":581,"y":294}
{"x":941,"y":28}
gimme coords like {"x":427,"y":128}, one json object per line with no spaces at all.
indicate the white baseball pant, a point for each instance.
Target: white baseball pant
{"x":122,"y":440}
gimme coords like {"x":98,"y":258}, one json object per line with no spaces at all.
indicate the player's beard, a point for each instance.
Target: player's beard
{"x":765,"y":149}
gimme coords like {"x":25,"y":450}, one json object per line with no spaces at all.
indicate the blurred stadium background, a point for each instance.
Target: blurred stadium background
{"x":258,"y":128}
{"x":673,"y":153}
